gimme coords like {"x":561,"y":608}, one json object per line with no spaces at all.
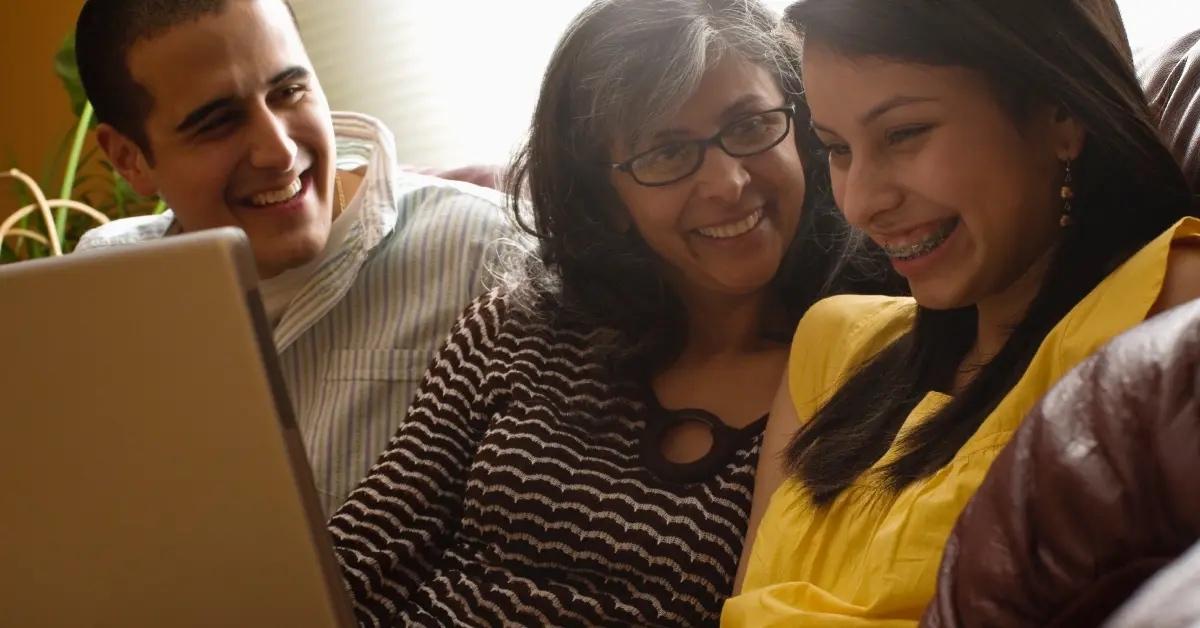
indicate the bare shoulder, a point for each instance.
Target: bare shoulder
{"x":1182,"y":281}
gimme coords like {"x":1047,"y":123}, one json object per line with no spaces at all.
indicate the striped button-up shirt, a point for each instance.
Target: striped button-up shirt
{"x":355,"y":341}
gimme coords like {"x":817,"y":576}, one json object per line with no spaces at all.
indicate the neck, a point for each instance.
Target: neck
{"x":345,"y":186}
{"x":722,"y":325}
{"x":999,"y":314}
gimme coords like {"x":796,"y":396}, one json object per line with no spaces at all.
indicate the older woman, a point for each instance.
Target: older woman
{"x":582,"y":450}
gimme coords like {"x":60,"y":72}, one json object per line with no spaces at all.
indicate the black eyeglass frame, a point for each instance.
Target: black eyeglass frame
{"x":704,"y":144}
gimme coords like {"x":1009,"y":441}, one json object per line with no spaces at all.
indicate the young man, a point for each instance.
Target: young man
{"x":214,"y":105}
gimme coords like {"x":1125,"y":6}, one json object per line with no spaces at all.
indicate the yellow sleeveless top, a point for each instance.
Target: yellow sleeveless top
{"x":871,"y":557}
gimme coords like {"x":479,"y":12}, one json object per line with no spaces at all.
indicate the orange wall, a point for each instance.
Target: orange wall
{"x":34,"y":110}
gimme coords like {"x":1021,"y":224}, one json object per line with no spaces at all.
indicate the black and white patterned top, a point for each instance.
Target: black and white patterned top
{"x":519,"y":493}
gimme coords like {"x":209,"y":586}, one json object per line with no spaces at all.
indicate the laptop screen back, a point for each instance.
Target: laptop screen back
{"x":153,"y":471}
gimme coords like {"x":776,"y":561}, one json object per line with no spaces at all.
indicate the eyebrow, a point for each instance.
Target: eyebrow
{"x":878,"y":110}
{"x":294,"y":73}
{"x":198,"y":114}
{"x":744,"y":105}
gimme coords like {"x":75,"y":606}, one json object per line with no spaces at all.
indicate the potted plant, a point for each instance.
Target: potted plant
{"x":90,"y":190}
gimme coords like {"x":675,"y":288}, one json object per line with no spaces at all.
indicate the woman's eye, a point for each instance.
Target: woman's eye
{"x":835,"y":150}
{"x":753,"y":126}
{"x":906,"y":133}
{"x":667,"y":153}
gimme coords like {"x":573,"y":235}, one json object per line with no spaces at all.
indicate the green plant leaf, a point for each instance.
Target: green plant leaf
{"x":68,"y":72}
{"x":72,"y":167}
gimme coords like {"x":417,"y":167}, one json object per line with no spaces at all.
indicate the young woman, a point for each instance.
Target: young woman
{"x":582,"y":450}
{"x":1001,"y":154}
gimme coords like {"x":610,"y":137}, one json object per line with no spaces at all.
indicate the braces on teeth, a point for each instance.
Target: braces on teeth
{"x":920,"y":248}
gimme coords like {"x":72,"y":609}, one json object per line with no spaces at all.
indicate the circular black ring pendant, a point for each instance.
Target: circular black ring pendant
{"x":725,"y":443}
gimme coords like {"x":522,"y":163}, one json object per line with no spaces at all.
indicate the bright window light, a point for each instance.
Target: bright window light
{"x":456,"y":80}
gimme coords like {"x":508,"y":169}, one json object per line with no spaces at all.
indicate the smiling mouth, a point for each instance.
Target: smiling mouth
{"x":275,"y":197}
{"x":733,"y":229}
{"x":912,"y":250}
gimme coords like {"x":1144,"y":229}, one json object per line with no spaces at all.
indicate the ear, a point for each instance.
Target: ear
{"x":1068,"y":134}
{"x":128,"y":158}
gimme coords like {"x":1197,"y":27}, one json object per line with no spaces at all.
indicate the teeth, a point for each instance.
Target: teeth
{"x":921,"y":247}
{"x":733,"y":229}
{"x":277,"y":196}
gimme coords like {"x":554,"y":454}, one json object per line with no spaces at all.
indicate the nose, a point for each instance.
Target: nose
{"x":272,"y":146}
{"x":722,"y":177}
{"x":865,"y":191}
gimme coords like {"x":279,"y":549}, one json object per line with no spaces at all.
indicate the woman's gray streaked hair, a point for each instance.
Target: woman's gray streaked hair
{"x":622,"y":94}
{"x":621,"y":68}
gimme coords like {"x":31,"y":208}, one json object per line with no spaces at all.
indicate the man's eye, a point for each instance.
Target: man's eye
{"x":293,"y":93}
{"x":217,"y":123}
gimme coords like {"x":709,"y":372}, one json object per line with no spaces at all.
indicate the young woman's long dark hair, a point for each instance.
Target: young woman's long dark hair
{"x":621,"y":66}
{"x":1128,"y":190}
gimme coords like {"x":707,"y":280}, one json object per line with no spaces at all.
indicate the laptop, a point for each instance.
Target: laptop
{"x":153,"y":474}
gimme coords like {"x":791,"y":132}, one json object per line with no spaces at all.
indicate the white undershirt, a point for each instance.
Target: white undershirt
{"x":278,"y":291}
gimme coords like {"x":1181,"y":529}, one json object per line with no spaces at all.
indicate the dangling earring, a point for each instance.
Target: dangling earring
{"x":1067,"y":193}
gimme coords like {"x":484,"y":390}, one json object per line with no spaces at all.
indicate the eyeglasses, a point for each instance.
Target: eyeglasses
{"x":751,"y":135}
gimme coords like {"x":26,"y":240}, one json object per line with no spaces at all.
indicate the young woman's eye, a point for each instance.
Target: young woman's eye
{"x":904,"y":134}
{"x":834,"y":150}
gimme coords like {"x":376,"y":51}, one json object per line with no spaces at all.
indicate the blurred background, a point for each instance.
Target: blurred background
{"x":456,"y":80}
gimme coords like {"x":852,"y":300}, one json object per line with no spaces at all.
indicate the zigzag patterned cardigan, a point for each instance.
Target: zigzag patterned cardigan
{"x":518,"y":492}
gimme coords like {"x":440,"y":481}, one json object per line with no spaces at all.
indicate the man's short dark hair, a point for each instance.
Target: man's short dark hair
{"x":105,"y":32}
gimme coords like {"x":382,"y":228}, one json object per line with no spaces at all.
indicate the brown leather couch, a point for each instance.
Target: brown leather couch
{"x":483,"y":175}
{"x":1099,"y":490}
{"x":1171,"y":79}
{"x":1170,"y":600}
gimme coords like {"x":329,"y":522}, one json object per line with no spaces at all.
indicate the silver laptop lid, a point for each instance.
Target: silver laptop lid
{"x":152,"y":468}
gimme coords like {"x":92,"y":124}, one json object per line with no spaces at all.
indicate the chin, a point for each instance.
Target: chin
{"x":300,"y":258}
{"x":939,"y":299}
{"x":283,"y":257}
{"x":743,"y":286}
